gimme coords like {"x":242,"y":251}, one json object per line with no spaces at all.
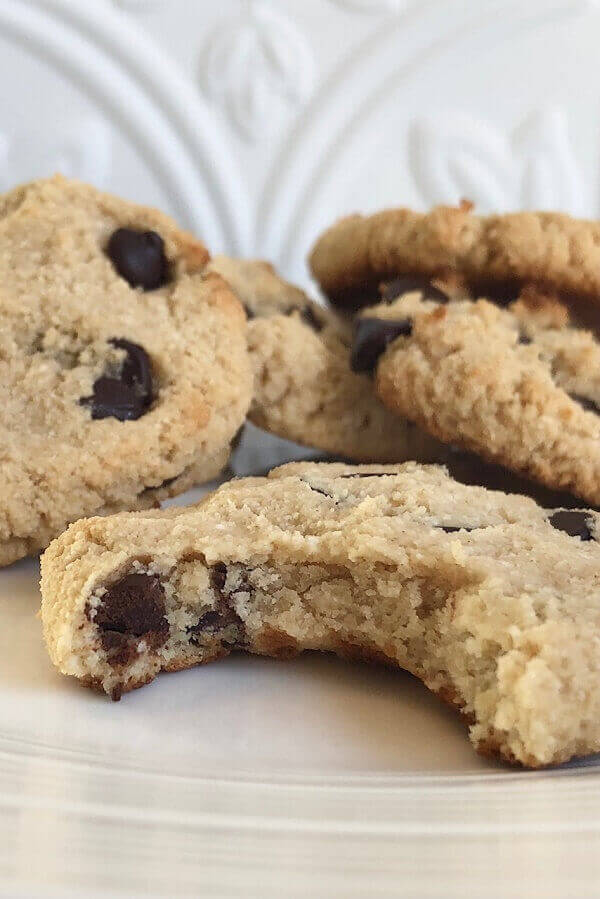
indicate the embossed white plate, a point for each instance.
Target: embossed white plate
{"x":256,"y":122}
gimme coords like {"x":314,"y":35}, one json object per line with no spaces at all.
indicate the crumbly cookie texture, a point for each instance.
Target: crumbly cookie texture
{"x":491,"y":600}
{"x":492,"y":253}
{"x":304,"y":389}
{"x":517,"y":386}
{"x":124,"y":371}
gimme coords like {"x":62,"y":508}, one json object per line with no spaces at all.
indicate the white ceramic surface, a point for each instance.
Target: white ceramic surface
{"x":256,"y":123}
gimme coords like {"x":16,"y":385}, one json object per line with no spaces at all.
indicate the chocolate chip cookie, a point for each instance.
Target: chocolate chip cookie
{"x":490,"y":599}
{"x":304,"y":389}
{"x":493,"y":256}
{"x":518,"y":386}
{"x":123,"y":366}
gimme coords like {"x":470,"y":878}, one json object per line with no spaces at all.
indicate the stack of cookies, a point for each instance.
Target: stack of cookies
{"x":452,"y":345}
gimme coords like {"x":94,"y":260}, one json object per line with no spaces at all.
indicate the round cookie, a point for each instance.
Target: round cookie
{"x":517,"y":386}
{"x":123,"y":366}
{"x":493,"y":256}
{"x":491,"y":600}
{"x":304,"y":389}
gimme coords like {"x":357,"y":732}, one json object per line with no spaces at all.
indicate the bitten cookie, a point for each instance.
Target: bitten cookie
{"x":124,"y":372}
{"x":517,"y":386}
{"x":493,"y":256}
{"x":304,"y":389}
{"x":491,"y":600}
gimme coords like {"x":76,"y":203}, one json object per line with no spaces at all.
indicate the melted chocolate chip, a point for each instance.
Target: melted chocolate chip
{"x":223,"y":621}
{"x":391,"y":290}
{"x":127,"y":396}
{"x":585,"y":403}
{"x":371,"y":337}
{"x":139,"y":257}
{"x":451,"y":529}
{"x":572,"y":522}
{"x":218,"y":576}
{"x":210,"y":621}
{"x":131,"y":607}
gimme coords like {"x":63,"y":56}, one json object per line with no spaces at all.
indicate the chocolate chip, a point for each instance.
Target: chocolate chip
{"x":218,"y":575}
{"x":131,"y":607}
{"x":128,"y":396}
{"x":209,"y":621}
{"x":139,"y":257}
{"x":371,"y":337}
{"x":585,"y":403}
{"x":451,"y":529}
{"x":223,"y":621}
{"x":524,"y":339}
{"x":572,"y":522}
{"x":391,"y":290}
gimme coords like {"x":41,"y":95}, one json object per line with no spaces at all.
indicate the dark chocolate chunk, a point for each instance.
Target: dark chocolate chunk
{"x":223,"y":621}
{"x":371,"y":337}
{"x":218,"y":575}
{"x":131,"y":607}
{"x":391,"y":290}
{"x":136,"y":370}
{"x":114,"y":399}
{"x":573,"y":522}
{"x":139,"y":257}
{"x":585,"y":403}
{"x":451,"y":529}
{"x":128,"y":395}
{"x":210,"y":621}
